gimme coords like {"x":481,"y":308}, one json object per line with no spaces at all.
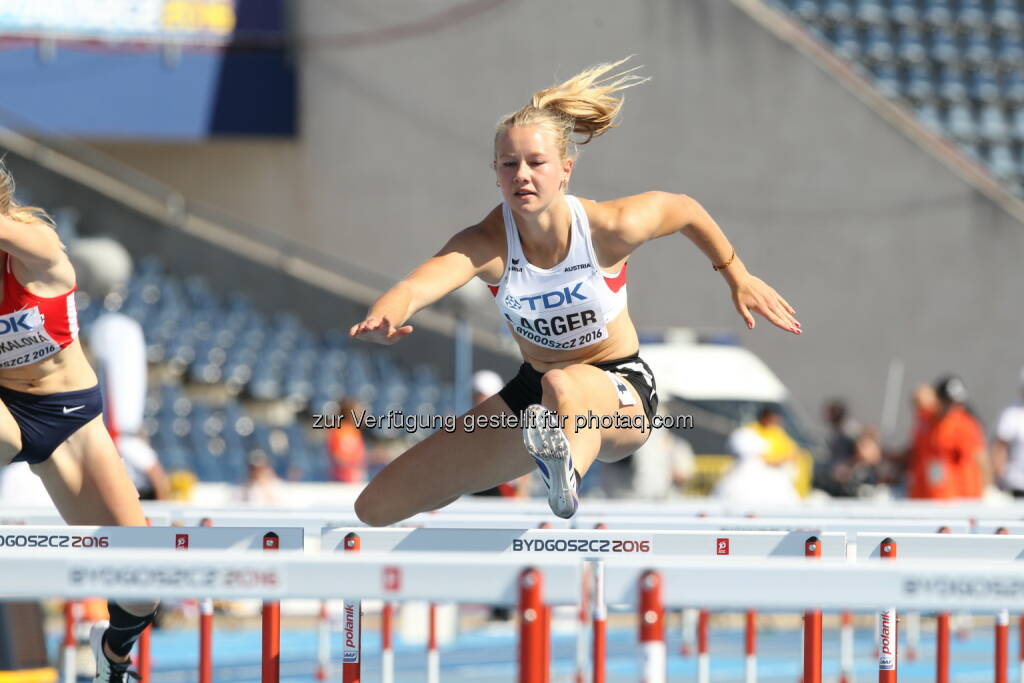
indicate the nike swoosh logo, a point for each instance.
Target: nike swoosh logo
{"x":71,"y":410}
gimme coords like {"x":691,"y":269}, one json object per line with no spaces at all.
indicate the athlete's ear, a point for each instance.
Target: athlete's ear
{"x":567,"y":165}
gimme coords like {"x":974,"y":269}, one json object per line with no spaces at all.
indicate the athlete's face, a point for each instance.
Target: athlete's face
{"x":531,"y":171}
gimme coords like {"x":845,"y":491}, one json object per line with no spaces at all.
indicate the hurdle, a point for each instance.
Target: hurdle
{"x":992,"y":548}
{"x":605,"y":544}
{"x":69,"y":539}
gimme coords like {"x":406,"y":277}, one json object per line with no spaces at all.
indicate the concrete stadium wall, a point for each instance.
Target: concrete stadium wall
{"x":883,"y":251}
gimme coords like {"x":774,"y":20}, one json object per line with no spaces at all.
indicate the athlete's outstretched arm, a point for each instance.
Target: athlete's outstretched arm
{"x":648,"y":216}
{"x":33,"y":243}
{"x":462,"y":258}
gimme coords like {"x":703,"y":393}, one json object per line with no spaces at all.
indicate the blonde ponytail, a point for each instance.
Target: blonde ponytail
{"x":584,"y":105}
{"x":10,"y":207}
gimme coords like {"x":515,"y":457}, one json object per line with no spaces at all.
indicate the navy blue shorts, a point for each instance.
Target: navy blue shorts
{"x":525,"y":388}
{"x":46,"y":421}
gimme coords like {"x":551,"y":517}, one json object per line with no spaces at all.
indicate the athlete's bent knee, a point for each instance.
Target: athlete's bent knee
{"x":557,"y":383}
{"x":370,"y":514}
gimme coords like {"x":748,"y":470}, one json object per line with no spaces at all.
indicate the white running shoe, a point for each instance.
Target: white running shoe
{"x":550,"y":450}
{"x":106,"y":670}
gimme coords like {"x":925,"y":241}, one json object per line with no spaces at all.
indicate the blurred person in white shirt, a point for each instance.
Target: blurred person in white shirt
{"x":1008,"y":449}
{"x":118,"y":347}
{"x":753,"y":480}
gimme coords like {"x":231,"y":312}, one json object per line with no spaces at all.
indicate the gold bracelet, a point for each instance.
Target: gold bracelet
{"x":727,"y":263}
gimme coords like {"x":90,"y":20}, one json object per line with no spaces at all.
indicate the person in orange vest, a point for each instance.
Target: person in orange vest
{"x":953,"y":448}
{"x":346,"y":445}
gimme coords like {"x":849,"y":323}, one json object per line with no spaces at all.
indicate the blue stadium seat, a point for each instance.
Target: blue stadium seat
{"x":978,"y":48}
{"x":1009,"y":49}
{"x":960,"y":124}
{"x":918,"y":85}
{"x":904,"y":13}
{"x":983,"y":84}
{"x":878,"y":45}
{"x":846,"y":41}
{"x":870,"y":12}
{"x":943,"y":47}
{"x":837,"y":11}
{"x":938,"y":13}
{"x":952,"y":83}
{"x":1001,"y":162}
{"x":1017,"y":127}
{"x":910,"y":47}
{"x":993,"y":125}
{"x":887,"y":79}
{"x":929,"y":116}
{"x":1006,"y":15}
{"x":971,"y":14}
{"x":808,"y":10}
{"x":1012,"y":87}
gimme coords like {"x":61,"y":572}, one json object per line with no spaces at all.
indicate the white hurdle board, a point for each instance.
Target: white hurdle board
{"x":587,"y":543}
{"x":476,"y":578}
{"x":982,"y":548}
{"x":790,"y":584}
{"x":824,"y":523}
{"x":73,"y":538}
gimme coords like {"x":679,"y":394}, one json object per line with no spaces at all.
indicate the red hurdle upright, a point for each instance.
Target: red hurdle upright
{"x":942,"y":637}
{"x":433,"y":656}
{"x":812,"y":625}
{"x":652,"y":629}
{"x":72,"y":610}
{"x":531,"y":627}
{"x":703,"y":658}
{"x":387,"y":654}
{"x":352,"y":613}
{"x":206,"y":630}
{"x":600,"y":612}
{"x":1002,"y":636}
{"x":750,"y":647}
{"x":271,"y":624}
{"x":888,"y":631}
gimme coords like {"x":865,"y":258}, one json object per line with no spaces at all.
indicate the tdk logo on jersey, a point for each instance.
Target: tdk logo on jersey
{"x":557,"y":298}
{"x":16,"y":322}
{"x":512,"y":302}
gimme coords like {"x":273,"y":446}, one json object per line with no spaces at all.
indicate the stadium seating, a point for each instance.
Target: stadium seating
{"x":226,"y":347}
{"x":958,"y":64}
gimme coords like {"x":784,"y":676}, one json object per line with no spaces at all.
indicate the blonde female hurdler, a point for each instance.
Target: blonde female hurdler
{"x":51,"y":408}
{"x":556,"y":265}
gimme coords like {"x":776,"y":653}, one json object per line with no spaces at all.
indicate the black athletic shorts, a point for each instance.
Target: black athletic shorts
{"x":46,"y":421}
{"x":524,"y":389}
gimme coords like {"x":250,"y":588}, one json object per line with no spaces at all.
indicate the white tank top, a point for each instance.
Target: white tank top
{"x":568,"y":306}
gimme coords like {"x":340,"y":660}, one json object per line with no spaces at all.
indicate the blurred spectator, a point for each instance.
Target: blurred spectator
{"x":658,"y":470}
{"x":262,"y":487}
{"x":753,"y":480}
{"x":855,"y":454}
{"x":663,"y":465}
{"x":118,"y":348}
{"x":781,"y":446}
{"x":346,"y":445}
{"x":843,"y":431}
{"x":953,"y":448}
{"x":487,"y":383}
{"x":926,"y":406}
{"x":1008,"y":449}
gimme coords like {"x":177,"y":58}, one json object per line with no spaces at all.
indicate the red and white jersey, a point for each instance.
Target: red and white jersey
{"x":565,"y":307}
{"x":33,"y":327}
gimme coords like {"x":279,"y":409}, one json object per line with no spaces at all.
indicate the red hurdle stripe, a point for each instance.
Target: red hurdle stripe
{"x":352,"y":614}
{"x":271,"y":624}
{"x":812,"y":625}
{"x":888,"y":632}
{"x":531,"y":627}
{"x":652,"y":628}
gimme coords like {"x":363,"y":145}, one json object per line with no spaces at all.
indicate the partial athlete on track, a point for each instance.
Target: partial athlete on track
{"x":556,"y":265}
{"x":51,"y":408}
